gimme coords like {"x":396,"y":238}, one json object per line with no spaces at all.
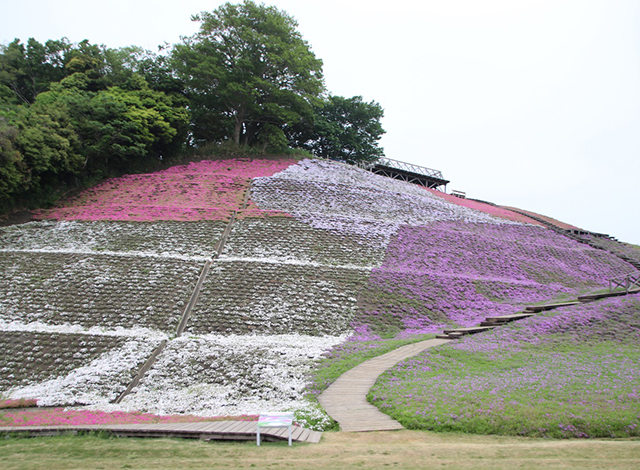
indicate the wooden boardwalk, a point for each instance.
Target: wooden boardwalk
{"x":204,"y":430}
{"x":346,"y":399}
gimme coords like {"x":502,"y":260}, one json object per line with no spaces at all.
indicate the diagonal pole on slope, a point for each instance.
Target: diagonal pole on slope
{"x":346,"y":399}
{"x":192,"y":301}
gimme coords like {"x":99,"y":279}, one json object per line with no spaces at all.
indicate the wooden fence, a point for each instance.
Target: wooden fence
{"x":627,"y":282}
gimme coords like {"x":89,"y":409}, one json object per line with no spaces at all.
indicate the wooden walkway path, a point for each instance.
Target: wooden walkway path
{"x":204,"y":430}
{"x":346,"y":399}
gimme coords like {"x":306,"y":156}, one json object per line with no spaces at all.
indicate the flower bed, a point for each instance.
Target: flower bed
{"x":243,"y":296}
{"x":287,"y":239}
{"x":492,"y":209}
{"x":572,"y":372}
{"x":163,"y":239}
{"x":29,"y":357}
{"x":454,"y":273}
{"x":207,"y":190}
{"x":229,"y":375}
{"x":550,"y":220}
{"x":70,"y":417}
{"x":347,"y":200}
{"x":95,"y":290}
{"x":631,"y":251}
{"x":70,"y":368}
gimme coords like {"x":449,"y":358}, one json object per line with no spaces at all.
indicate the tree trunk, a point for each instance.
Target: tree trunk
{"x":240,"y":114}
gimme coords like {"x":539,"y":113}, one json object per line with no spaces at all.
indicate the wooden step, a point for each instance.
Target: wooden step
{"x":541,"y":308}
{"x":507,"y":318}
{"x":443,"y":336}
{"x":467,"y":331}
{"x":604,"y":295}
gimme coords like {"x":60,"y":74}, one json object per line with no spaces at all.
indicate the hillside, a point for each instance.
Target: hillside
{"x":236,"y":277}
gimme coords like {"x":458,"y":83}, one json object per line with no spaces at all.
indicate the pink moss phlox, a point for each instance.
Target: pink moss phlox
{"x":19,"y":403}
{"x":62,"y":416}
{"x":206,"y":190}
{"x":496,"y":211}
{"x":551,"y":220}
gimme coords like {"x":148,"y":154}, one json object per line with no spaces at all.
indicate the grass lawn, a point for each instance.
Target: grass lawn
{"x":399,"y":449}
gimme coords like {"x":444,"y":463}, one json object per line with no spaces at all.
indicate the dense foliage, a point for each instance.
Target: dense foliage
{"x":346,"y":129}
{"x":72,"y":114}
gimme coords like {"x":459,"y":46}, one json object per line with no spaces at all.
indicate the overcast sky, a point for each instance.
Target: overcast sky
{"x":530,"y":103}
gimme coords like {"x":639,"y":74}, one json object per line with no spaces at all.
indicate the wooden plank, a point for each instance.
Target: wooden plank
{"x":237,"y":425}
{"x":541,"y":308}
{"x":247,"y":427}
{"x":313,"y":437}
{"x":222,"y":426}
{"x":468,"y":330}
{"x":508,"y":318}
{"x":242,"y":430}
{"x":300,"y":434}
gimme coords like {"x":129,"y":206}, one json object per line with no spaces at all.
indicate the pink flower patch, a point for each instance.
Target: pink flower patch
{"x":496,"y":211}
{"x":206,"y":190}
{"x":62,"y":416}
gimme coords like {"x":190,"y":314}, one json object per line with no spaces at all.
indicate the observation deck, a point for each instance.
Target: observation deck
{"x":409,"y":172}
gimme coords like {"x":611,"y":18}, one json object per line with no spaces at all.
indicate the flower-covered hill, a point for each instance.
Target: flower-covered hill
{"x":443,"y":260}
{"x":89,"y":293}
{"x":292,"y":258}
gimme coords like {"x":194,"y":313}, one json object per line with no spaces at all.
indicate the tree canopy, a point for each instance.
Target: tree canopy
{"x":346,"y":129}
{"x":247,"y":71}
{"x":73,"y":113}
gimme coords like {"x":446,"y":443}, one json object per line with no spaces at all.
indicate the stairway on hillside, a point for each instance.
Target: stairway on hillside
{"x":493,"y":321}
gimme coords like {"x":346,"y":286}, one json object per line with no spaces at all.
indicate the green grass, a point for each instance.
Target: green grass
{"x":374,"y":450}
{"x":554,"y":390}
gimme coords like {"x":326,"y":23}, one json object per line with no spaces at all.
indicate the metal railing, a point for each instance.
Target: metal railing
{"x":404,"y":166}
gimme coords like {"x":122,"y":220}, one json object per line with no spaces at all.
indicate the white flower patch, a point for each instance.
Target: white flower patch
{"x":163,"y":239}
{"x":95,"y":290}
{"x":285,"y":238}
{"x":39,"y":327}
{"x":215,"y":375}
{"x":241,"y":297}
{"x":100,"y":381}
{"x":291,"y":262}
{"x":348,"y":200}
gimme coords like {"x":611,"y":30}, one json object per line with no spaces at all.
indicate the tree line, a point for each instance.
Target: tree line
{"x":74,"y":113}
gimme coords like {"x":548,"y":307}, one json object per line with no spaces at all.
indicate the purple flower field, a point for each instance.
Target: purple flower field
{"x":572,"y":372}
{"x":457,"y":273}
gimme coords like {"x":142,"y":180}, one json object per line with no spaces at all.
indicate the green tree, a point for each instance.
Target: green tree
{"x":27,"y":70}
{"x":342,"y":129}
{"x":247,"y":70}
{"x":119,"y":130}
{"x":48,"y":144}
{"x":14,"y":175}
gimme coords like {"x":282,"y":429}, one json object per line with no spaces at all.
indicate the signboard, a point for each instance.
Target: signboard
{"x":275,"y":420}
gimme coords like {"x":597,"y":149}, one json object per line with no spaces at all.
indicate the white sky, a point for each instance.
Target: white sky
{"x":531,"y":103}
